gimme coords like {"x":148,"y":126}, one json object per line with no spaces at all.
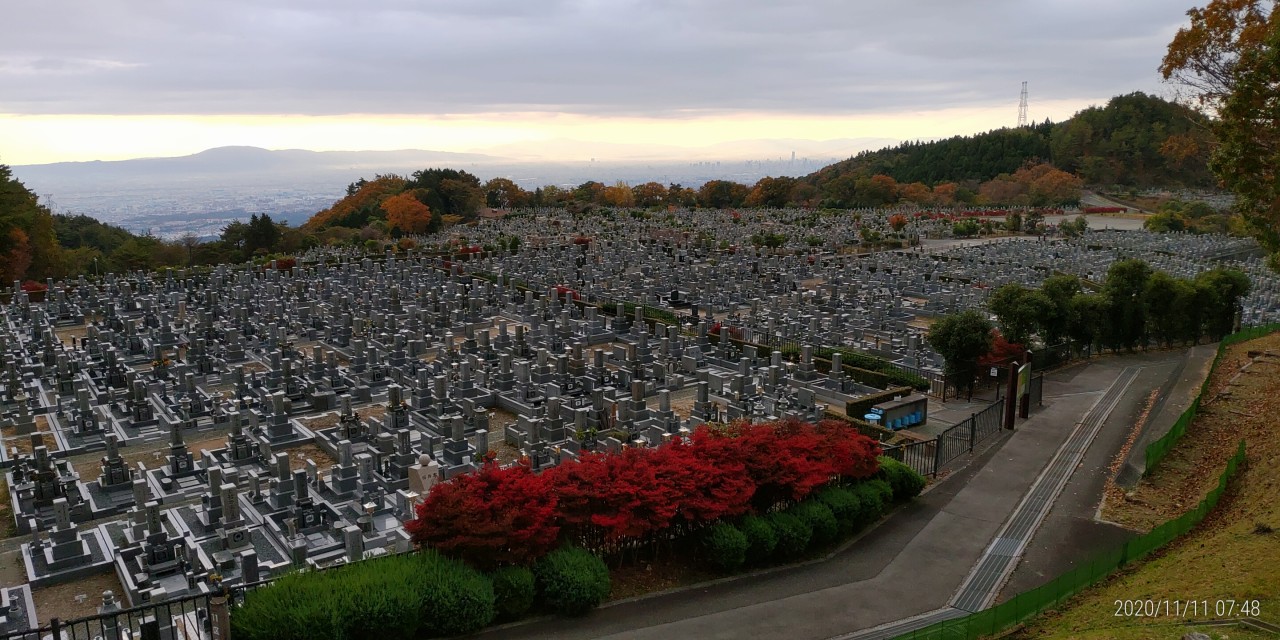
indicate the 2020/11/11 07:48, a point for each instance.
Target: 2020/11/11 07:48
{"x":1220,"y":608}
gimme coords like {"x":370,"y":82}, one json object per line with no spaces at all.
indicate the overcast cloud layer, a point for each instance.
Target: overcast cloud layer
{"x":644,"y":58}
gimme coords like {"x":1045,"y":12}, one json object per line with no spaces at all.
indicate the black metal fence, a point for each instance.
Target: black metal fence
{"x":186,"y":617}
{"x":929,"y":456}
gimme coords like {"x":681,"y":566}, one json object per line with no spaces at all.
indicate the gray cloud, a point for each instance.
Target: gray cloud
{"x":607,"y":57}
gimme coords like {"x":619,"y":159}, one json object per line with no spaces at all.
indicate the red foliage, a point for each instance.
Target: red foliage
{"x":492,"y":517}
{"x":734,"y":332}
{"x":31,"y":286}
{"x":1104,"y":210}
{"x":786,"y":460}
{"x":284,"y":264}
{"x":504,"y":516}
{"x":563,"y":291}
{"x":581,"y":240}
{"x":1002,"y":351}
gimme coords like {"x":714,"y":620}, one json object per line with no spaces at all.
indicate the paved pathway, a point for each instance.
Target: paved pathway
{"x":911,"y":565}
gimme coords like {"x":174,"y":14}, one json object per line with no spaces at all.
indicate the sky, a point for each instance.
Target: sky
{"x":114,"y":79}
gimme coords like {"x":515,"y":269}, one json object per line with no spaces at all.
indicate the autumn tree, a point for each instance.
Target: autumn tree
{"x":1228,"y":58}
{"x":490,"y":518}
{"x":1205,"y":56}
{"x":18,"y":257}
{"x":503,"y":193}
{"x":589,"y":191}
{"x":362,"y":203}
{"x":29,"y":245}
{"x":878,"y":190}
{"x":771,"y":192}
{"x":945,"y":194}
{"x":406,"y":214}
{"x":649,"y":194}
{"x":1248,"y":153}
{"x":448,"y":192}
{"x":681,"y":195}
{"x":721,"y":194}
{"x":897,"y":222}
{"x":619,"y":195}
{"x":916,"y":192}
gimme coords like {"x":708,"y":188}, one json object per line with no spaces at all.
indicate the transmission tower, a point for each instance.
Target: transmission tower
{"x":1022,"y":106}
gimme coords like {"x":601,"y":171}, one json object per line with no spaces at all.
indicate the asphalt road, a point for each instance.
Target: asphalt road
{"x":915,"y":561}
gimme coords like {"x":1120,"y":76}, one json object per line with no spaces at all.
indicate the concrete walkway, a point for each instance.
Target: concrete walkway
{"x":1072,"y":534}
{"x":912,"y":564}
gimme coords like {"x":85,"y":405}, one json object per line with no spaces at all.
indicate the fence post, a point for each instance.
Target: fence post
{"x":150,"y":629}
{"x":55,"y":627}
{"x":219,"y":617}
{"x":937,"y":454}
{"x":1011,"y":400}
{"x":973,"y":430}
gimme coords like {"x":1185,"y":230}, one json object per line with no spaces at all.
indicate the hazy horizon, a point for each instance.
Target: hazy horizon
{"x":132,"y":80}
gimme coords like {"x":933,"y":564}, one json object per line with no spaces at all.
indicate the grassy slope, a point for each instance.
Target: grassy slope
{"x":1231,"y":555}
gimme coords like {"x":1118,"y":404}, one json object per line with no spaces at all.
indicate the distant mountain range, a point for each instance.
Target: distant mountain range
{"x":569,"y":150}
{"x":204,"y":191}
{"x":223,"y":161}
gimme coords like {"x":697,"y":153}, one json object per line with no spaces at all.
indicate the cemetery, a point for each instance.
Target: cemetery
{"x":189,"y":431}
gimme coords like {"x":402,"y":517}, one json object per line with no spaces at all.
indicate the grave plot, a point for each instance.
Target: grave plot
{"x":188,"y":429}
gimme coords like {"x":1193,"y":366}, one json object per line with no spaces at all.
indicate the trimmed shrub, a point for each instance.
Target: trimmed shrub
{"x":761,"y":538}
{"x":793,"y":534}
{"x":844,"y":505}
{"x":402,"y":596}
{"x":904,"y":480}
{"x":726,"y":546}
{"x":456,"y":598}
{"x":513,"y":591}
{"x":885,"y":492}
{"x":572,"y":581}
{"x":819,"y":518}
{"x":874,"y":496}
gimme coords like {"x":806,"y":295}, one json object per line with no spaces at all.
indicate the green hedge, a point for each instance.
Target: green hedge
{"x":762,"y":540}
{"x":572,"y":581}
{"x":725,"y":546}
{"x":904,"y":481}
{"x":874,"y":497}
{"x":405,"y":596}
{"x":844,"y":505}
{"x":514,"y":591}
{"x":820,"y":520}
{"x":793,"y":534}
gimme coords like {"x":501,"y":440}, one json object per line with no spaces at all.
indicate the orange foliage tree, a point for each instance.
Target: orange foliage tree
{"x":18,"y":258}
{"x":366,"y":195}
{"x":406,"y":214}
{"x":1204,"y":56}
{"x":619,"y":195}
{"x":917,"y":192}
{"x":945,"y":193}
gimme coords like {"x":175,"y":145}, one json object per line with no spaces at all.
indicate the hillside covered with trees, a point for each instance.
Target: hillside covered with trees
{"x":1136,"y":140}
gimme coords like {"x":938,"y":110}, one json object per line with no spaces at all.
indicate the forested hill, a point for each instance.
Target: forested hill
{"x":1135,"y":140}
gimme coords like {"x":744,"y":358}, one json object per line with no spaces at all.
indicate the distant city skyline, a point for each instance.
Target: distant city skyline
{"x":107,"y":81}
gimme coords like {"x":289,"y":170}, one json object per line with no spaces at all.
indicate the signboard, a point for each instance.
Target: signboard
{"x":1024,"y":379}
